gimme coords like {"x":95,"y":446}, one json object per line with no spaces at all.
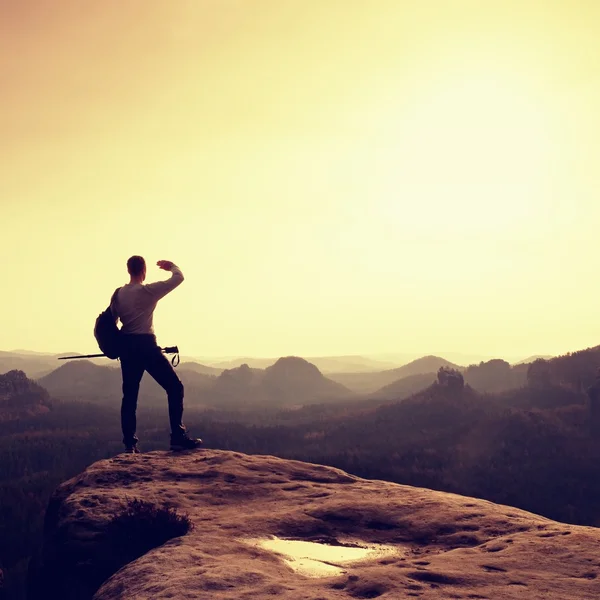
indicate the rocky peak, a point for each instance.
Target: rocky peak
{"x":242,"y":375}
{"x":293,"y":367}
{"x":15,"y":382}
{"x":20,"y":396}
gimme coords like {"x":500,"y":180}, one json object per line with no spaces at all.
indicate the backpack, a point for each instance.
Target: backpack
{"x":107,"y":333}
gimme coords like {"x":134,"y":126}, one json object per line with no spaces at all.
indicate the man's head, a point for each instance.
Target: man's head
{"x":136,"y":267}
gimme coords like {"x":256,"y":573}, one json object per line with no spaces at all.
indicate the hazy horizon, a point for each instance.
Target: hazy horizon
{"x":374,"y":356}
{"x":333,"y":177}
{"x":397,"y":358}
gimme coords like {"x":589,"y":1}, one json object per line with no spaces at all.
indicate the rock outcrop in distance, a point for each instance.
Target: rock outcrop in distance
{"x":21,"y":397}
{"x":434,"y":545}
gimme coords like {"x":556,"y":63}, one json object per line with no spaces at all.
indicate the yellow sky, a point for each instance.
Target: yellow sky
{"x":332,"y":176}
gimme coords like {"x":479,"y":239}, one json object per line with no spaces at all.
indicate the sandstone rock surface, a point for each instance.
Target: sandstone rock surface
{"x":448,"y":546}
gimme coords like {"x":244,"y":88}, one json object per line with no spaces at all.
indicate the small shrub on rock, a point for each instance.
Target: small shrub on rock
{"x":141,"y":527}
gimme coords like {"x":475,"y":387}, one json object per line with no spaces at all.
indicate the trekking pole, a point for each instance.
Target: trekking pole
{"x":166,"y":350}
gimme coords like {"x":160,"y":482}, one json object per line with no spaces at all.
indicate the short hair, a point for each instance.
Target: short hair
{"x":136,"y":265}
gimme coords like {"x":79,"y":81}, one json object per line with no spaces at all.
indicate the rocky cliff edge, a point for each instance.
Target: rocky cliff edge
{"x":408,"y":542}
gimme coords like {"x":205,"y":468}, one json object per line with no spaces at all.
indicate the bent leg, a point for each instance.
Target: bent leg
{"x":162,"y":371}
{"x":132,"y":371}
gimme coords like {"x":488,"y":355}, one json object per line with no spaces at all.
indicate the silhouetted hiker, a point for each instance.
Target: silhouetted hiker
{"x":134,"y":305}
{"x":593,"y":393}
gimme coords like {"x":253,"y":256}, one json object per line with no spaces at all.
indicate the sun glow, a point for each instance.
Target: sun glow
{"x":470,"y":153}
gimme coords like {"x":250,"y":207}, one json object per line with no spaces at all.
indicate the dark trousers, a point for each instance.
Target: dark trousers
{"x":141,"y":353}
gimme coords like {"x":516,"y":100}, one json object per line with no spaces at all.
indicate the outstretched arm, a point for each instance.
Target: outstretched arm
{"x":160,"y":289}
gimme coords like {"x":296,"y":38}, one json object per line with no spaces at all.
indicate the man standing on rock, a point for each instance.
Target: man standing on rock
{"x":134,"y":305}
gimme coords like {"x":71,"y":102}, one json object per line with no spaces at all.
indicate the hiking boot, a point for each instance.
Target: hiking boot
{"x":132,"y":450}
{"x":185,"y":443}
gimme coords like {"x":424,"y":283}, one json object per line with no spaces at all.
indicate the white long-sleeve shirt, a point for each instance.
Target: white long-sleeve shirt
{"x":135,"y":302}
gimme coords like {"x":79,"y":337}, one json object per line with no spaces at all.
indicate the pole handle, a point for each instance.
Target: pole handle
{"x":167,"y":350}
{"x":172,"y":350}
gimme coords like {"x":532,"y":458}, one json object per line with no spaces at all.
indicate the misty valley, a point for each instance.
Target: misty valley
{"x":524,"y":435}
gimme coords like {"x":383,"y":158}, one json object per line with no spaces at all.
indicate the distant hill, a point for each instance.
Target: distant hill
{"x":21,"y":397}
{"x":290,"y":381}
{"x":425,"y":364}
{"x":194,"y":381}
{"x":37,"y":364}
{"x":492,"y":376}
{"x":82,"y":380}
{"x":531,"y":359}
{"x":32,"y":364}
{"x":459,"y":358}
{"x":575,"y":371}
{"x":31,"y":352}
{"x":325,"y":364}
{"x":200,"y":368}
{"x":234,"y":363}
{"x":430,"y":412}
{"x":239,"y":388}
{"x":556,"y":383}
{"x":495,"y":375}
{"x":369,"y":382}
{"x":405,"y":387}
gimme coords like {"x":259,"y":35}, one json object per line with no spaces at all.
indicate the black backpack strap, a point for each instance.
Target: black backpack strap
{"x":112,"y":299}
